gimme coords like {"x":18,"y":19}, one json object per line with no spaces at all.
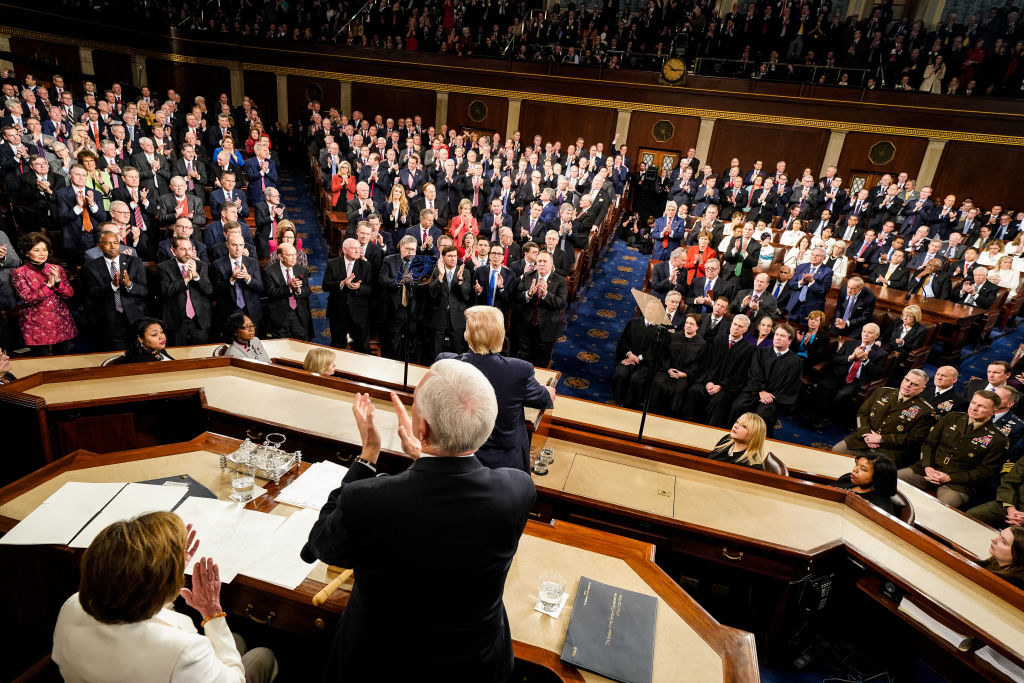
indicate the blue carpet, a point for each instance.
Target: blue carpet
{"x":298,"y":197}
{"x":585,"y":354}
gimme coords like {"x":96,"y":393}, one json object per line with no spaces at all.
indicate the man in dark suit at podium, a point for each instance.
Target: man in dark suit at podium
{"x":448,"y":507}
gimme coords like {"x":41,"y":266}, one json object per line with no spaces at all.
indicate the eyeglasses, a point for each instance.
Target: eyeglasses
{"x":250,"y":326}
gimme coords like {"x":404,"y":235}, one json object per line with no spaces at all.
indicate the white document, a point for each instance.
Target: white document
{"x":228,"y":533}
{"x":958,"y":640}
{"x":312,"y":487}
{"x":1000,"y":663}
{"x":132,"y":500}
{"x":281,"y":564}
{"x":61,"y":516}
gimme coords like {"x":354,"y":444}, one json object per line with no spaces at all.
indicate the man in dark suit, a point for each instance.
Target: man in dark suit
{"x":742,"y":257}
{"x":430,"y":200}
{"x":287,"y":291}
{"x":810,"y":283}
{"x":703,"y":291}
{"x":931,"y":251}
{"x":261,"y":172}
{"x":930,"y":282}
{"x":716,"y":323}
{"x":380,"y":526}
{"x":757,"y":302}
{"x":495,"y":284}
{"x":80,"y":210}
{"x":531,"y":223}
{"x":779,"y":288}
{"x":267,"y":214}
{"x":348,"y":282}
{"x":193,"y":170}
{"x":996,"y":375}
{"x":404,"y":297}
{"x":858,"y":362}
{"x":185,"y":290}
{"x":36,"y":204}
{"x":774,"y":380}
{"x":855,"y":307}
{"x":545,"y":294}
{"x":977,"y":290}
{"x":894,"y":274}
{"x":182,"y":228}
{"x":238,"y":282}
{"x":494,"y":219}
{"x":710,"y":397}
{"x":425,"y":234}
{"x":669,"y":275}
{"x":179,"y":204}
{"x":943,"y":394}
{"x":142,"y":204}
{"x":563,"y":260}
{"x":116,"y":284}
{"x":734,"y":197}
{"x":227,"y":193}
{"x":449,"y":293}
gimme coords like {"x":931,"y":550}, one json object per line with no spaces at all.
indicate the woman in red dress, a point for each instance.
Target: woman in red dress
{"x":698,"y":255}
{"x":343,"y":187}
{"x":43,"y":292}
{"x":463,"y":223}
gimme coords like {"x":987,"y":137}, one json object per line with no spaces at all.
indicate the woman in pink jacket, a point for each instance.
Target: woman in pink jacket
{"x":43,"y":292}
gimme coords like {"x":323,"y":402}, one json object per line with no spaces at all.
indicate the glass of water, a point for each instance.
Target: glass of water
{"x":243,"y":480}
{"x":552,"y":586}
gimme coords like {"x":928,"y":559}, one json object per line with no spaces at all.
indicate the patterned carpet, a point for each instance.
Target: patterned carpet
{"x":298,"y":197}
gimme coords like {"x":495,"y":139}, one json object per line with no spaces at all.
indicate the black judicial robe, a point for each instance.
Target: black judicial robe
{"x":685,"y":354}
{"x":629,"y":381}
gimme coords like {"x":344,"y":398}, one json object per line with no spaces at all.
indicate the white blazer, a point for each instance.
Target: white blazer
{"x":165,"y":647}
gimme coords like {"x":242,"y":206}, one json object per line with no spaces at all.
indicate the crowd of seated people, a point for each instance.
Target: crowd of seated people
{"x":980,"y":54}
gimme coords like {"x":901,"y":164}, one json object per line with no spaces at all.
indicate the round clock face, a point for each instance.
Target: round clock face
{"x":673,"y":70}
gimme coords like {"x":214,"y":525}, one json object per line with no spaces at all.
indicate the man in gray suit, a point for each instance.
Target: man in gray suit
{"x":756,"y":303}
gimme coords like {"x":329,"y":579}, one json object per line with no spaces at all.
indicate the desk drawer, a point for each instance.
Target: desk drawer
{"x":278,"y":611}
{"x":742,"y":556}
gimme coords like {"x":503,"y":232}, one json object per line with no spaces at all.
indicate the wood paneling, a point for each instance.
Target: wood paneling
{"x":112,"y":66}
{"x":799,"y":148}
{"x":458,"y":112}
{"x":188,"y":80}
{"x":393,"y":102}
{"x":641,"y":126}
{"x":261,"y":86}
{"x":302,"y":90}
{"x":42,"y":59}
{"x":983,"y":172}
{"x":909,"y":153}
{"x":566,"y":122}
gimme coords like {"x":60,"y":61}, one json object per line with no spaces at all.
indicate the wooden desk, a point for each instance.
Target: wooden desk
{"x":963,"y":533}
{"x":689,"y":644}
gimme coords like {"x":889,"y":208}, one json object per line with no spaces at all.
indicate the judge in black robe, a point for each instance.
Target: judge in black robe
{"x":726,"y":368}
{"x":630,"y":379}
{"x":776,"y":371}
{"x":681,"y":362}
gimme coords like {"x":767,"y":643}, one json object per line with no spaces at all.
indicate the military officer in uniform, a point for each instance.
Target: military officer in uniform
{"x":1008,"y":507}
{"x":961,"y":452}
{"x":892,"y":421}
{"x":944,"y":395}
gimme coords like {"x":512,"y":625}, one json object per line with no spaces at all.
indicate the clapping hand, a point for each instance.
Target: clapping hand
{"x":205,"y":594}
{"x":411,"y":445}
{"x":369,"y":435}
{"x":125,"y":280}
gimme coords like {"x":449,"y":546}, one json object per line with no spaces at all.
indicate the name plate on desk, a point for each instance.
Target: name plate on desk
{"x":611,"y":632}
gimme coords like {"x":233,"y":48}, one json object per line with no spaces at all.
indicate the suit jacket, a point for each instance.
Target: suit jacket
{"x":870,"y":371}
{"x":941,"y":285}
{"x":516,"y":387}
{"x":863,"y":310}
{"x":379,"y":526}
{"x":816,"y":290}
{"x":165,"y":647}
{"x":257,"y":180}
{"x":778,"y":376}
{"x":900,"y":277}
{"x":75,"y":237}
{"x":868,"y":254}
{"x":952,"y":400}
{"x":40,"y":206}
{"x":225,"y":292}
{"x":722,"y":287}
{"x":563,"y":261}
{"x":911,"y":340}
{"x":918,"y":260}
{"x":748,"y":258}
{"x":96,"y":279}
{"x":278,"y":292}
{"x":720,"y":330}
{"x":355,"y":301}
{"x":985,"y":298}
{"x":163,"y":251}
{"x":660,"y":283}
{"x":149,"y":209}
{"x":173,"y":290}
{"x":264,"y":221}
{"x":503,"y":296}
{"x":448,"y":306}
{"x":766,"y":306}
{"x":549,"y":308}
{"x":417,"y":232}
{"x":199,"y":166}
{"x":487,"y":224}
{"x":217,"y":198}
{"x":140,"y":162}
{"x":168,"y":204}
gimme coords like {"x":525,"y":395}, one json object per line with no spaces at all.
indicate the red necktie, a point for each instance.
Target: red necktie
{"x":854,"y":369}
{"x":138,"y":211}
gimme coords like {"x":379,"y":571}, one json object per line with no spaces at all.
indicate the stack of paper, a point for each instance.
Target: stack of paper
{"x":1001,"y":663}
{"x":311,"y":488}
{"x":228,"y":533}
{"x":958,"y":640}
{"x":61,"y":516}
{"x":131,"y":501}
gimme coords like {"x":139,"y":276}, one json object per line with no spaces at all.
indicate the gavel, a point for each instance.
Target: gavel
{"x":328,"y":590}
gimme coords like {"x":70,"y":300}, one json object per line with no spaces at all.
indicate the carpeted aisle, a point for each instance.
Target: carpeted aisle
{"x":585,"y":354}
{"x":298,"y":198}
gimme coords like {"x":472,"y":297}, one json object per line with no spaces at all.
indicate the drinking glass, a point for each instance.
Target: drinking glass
{"x":243,"y":479}
{"x":552,"y":586}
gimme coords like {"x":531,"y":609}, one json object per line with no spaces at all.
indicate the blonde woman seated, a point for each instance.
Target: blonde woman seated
{"x":1005,"y":275}
{"x":990,"y":256}
{"x":287,"y":234}
{"x":792,"y":237}
{"x":121,"y":625}
{"x":1015,"y":247}
{"x":744,"y":444}
{"x":801,"y":253}
{"x":837,"y":260}
{"x":320,"y":361}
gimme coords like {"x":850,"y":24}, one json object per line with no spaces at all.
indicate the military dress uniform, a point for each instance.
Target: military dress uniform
{"x":968,"y":454}
{"x":903,"y":425}
{"x":1010,"y":493}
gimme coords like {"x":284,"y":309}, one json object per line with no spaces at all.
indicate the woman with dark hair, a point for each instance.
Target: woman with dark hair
{"x":681,"y":362}
{"x":240,"y":334}
{"x":873,"y":478}
{"x":147,"y":343}
{"x":1007,"y":556}
{"x":121,"y":626}
{"x":43,"y":291}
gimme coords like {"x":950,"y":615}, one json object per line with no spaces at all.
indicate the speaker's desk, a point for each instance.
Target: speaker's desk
{"x":689,"y":644}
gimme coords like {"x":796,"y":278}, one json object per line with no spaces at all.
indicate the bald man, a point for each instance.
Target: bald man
{"x":858,"y":362}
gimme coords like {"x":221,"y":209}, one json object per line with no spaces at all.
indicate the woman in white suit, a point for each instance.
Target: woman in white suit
{"x":120,"y":625}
